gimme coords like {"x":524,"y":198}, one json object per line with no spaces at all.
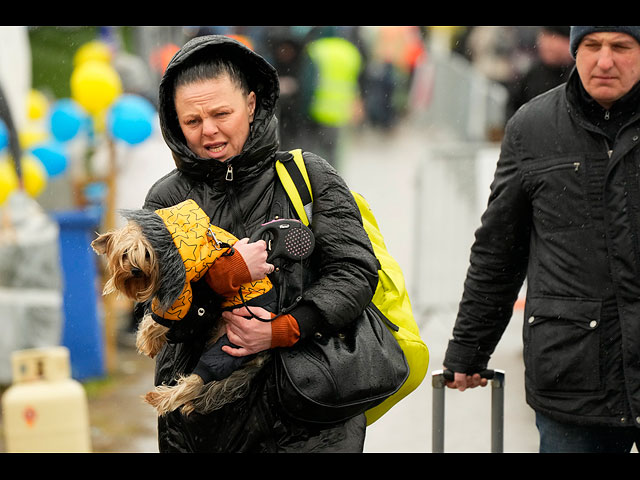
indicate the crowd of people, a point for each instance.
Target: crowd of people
{"x":374,"y":66}
{"x":525,"y":60}
{"x":377,"y":65}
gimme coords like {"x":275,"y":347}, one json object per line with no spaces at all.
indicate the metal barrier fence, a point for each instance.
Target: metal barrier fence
{"x":449,"y":93}
{"x":461,"y":109}
{"x":451,"y":191}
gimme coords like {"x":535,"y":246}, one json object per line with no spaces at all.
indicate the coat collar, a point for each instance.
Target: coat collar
{"x":609,"y":121}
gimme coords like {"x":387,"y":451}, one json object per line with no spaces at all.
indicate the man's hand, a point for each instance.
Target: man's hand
{"x":462,"y":381}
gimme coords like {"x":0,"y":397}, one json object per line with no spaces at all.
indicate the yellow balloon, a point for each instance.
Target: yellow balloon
{"x":37,"y":105}
{"x":8,"y":179}
{"x":95,"y":85}
{"x":94,"y":50}
{"x":32,"y":135}
{"x":34,"y":175}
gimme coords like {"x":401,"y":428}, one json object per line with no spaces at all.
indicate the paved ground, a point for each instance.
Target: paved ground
{"x":120,"y":421}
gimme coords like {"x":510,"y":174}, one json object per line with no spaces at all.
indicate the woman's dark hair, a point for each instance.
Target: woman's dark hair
{"x":211,"y":68}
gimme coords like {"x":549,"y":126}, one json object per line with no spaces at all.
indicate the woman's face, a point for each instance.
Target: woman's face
{"x":214,"y":116}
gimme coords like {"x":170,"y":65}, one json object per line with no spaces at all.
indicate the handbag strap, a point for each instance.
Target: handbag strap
{"x":295,"y":180}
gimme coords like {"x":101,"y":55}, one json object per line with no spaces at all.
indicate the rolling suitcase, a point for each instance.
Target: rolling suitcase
{"x":496,"y":378}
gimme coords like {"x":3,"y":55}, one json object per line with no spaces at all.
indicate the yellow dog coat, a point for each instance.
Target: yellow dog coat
{"x":200,"y":244}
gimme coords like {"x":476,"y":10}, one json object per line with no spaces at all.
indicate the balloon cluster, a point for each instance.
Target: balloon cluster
{"x":32,"y":170}
{"x":97,"y":105}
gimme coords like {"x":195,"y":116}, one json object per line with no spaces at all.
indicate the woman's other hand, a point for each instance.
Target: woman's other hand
{"x":250,"y":334}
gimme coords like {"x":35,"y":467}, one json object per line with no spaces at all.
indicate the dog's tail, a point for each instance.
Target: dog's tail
{"x":216,"y":394}
{"x":192,"y":394}
{"x":166,"y":399}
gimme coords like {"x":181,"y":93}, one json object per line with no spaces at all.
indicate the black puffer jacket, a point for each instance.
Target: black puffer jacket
{"x":564,"y":211}
{"x":239,"y":195}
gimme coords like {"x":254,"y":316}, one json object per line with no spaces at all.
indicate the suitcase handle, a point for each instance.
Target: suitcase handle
{"x":497,"y":378}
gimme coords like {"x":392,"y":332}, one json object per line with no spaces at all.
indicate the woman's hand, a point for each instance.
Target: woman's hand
{"x":251,"y":335}
{"x":255,"y":257}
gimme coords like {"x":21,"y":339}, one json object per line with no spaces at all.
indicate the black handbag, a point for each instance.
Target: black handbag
{"x":329,"y":379}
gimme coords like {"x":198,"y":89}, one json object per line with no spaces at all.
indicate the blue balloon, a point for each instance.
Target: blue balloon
{"x":53,"y":155}
{"x":4,"y":135}
{"x":67,"y":119}
{"x":131,"y":119}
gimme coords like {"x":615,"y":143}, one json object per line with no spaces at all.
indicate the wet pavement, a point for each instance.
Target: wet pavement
{"x":121,"y":422}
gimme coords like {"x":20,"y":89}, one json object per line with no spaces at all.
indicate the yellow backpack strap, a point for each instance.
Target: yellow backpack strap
{"x":294,"y":178}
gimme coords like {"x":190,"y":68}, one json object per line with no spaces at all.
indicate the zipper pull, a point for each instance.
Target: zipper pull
{"x":576,"y":165}
{"x":229,"y":176}
{"x":607,"y":115}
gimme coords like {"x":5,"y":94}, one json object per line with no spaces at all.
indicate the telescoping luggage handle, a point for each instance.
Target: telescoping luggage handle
{"x":496,"y":378}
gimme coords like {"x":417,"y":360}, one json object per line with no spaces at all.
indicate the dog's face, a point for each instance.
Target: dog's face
{"x":131,"y":262}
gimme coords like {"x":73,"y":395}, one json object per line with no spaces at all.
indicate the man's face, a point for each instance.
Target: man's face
{"x":609,"y":65}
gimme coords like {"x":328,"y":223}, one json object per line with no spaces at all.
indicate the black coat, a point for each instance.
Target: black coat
{"x":239,"y":195}
{"x":564,"y":213}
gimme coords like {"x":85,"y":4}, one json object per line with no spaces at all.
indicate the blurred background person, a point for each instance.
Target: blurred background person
{"x":393,"y":53}
{"x":550,"y":69}
{"x":329,"y":98}
{"x":283,"y":49}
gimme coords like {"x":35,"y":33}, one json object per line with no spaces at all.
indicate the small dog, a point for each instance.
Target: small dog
{"x":155,"y":257}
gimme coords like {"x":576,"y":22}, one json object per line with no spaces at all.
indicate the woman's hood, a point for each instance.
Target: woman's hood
{"x":263,"y":80}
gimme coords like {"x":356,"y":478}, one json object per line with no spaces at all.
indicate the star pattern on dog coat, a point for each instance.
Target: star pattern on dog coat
{"x":200,"y":244}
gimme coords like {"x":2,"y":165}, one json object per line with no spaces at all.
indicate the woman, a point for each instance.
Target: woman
{"x":217,"y":104}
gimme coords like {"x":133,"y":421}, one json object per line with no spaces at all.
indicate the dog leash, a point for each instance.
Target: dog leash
{"x":289,"y":239}
{"x":218,"y":244}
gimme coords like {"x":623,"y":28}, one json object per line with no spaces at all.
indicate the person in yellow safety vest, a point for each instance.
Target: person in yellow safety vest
{"x":330,"y":83}
{"x":338,"y":63}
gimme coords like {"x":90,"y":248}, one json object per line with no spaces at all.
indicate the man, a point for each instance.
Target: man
{"x":564,"y":212}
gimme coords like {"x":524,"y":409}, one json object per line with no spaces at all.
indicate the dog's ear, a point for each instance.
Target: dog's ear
{"x":101,"y":243}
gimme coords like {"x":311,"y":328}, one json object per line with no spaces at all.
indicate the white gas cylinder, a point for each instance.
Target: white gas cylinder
{"x":45,"y":410}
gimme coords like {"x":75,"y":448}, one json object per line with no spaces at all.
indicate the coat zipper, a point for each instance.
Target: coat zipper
{"x":607,"y":116}
{"x":561,"y":166}
{"x":239,"y":228}
{"x":609,"y":150}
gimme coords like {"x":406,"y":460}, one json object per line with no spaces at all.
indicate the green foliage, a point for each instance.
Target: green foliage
{"x":52,"y":51}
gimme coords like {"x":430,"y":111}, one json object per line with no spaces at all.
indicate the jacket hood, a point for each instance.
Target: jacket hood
{"x":263,"y":80}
